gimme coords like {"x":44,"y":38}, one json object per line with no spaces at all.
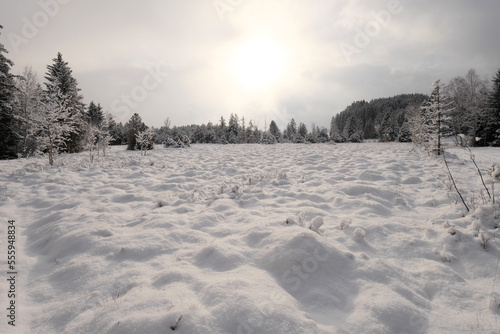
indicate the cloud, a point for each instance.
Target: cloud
{"x":111,"y":44}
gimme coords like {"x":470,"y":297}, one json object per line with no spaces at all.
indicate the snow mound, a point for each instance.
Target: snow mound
{"x":315,"y":239}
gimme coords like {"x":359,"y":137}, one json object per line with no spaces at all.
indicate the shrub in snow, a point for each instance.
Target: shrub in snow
{"x":53,"y":126}
{"x":235,"y":191}
{"x":494,"y":303}
{"x":359,"y":233}
{"x":344,"y":224}
{"x":145,"y":140}
{"x":186,"y":141}
{"x":483,"y":240}
{"x":268,"y":138}
{"x":170,"y":142}
{"x":181,"y":142}
{"x":132,"y":128}
{"x":494,"y":171}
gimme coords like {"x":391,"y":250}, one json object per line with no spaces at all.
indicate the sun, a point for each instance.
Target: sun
{"x":258,"y":63}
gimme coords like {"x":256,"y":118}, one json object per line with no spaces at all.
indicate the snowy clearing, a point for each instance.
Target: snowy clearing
{"x":351,"y":238}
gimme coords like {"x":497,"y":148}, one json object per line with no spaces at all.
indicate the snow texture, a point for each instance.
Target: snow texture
{"x":351,"y":238}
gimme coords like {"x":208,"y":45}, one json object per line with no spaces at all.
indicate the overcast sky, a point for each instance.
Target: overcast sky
{"x":196,"y":60}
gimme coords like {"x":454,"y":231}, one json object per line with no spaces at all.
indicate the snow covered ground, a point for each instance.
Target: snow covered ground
{"x":351,"y":238}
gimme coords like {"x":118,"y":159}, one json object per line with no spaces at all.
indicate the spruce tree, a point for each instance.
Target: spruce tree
{"x":353,"y":130}
{"x":275,"y":131}
{"x":436,"y":117}
{"x":222,"y":131}
{"x":8,"y":136}
{"x":95,"y":115}
{"x":233,"y":129}
{"x":132,"y":129}
{"x":495,"y":94}
{"x":301,"y":133}
{"x":494,"y":104}
{"x":291,"y":131}
{"x":388,"y":129}
{"x":61,"y":84}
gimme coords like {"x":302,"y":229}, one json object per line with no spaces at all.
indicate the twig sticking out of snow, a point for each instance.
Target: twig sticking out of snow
{"x":176,"y":324}
{"x":453,"y":181}
{"x":483,"y":240}
{"x":472,"y":157}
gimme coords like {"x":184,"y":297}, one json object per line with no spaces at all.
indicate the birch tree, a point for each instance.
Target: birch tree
{"x":29,"y":101}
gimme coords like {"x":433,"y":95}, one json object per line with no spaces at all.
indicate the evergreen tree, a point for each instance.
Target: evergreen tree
{"x":334,"y":130}
{"x":243,"y":132}
{"x":301,"y":133}
{"x":370,"y":114}
{"x":494,"y":104}
{"x":436,"y":117}
{"x":253,"y":133}
{"x":99,"y":128}
{"x":312,"y":137}
{"x":233,"y":129}
{"x":416,"y":124}
{"x":95,"y":115}
{"x":495,"y":95}
{"x":117,"y":133}
{"x":105,"y":136}
{"x":210,"y":134}
{"x":222,"y":131}
{"x":132,"y":129}
{"x":61,"y":85}
{"x":322,"y":135}
{"x":404,"y":135}
{"x":388,"y":129}
{"x":95,"y":133}
{"x":8,"y":136}
{"x":268,"y":138}
{"x":353,"y":130}
{"x":145,"y":140}
{"x":274,"y":131}
{"x":291,"y":131}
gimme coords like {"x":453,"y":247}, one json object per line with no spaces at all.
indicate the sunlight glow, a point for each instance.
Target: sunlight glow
{"x":258,"y":63}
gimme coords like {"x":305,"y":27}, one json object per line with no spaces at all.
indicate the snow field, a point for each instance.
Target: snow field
{"x":367,"y":238}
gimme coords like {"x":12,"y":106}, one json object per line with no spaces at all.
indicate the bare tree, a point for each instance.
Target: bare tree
{"x":469,"y":96}
{"x":29,"y":102}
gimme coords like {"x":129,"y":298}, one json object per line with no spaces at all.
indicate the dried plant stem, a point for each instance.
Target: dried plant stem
{"x":480,"y":174}
{"x":454,"y":184}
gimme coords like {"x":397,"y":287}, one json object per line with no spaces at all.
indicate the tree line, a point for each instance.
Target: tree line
{"x":467,"y":108}
{"x":52,"y":119}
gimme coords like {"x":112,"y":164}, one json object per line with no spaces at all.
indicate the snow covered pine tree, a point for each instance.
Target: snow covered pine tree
{"x":8,"y":135}
{"x":63,"y":86}
{"x":436,"y":116}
